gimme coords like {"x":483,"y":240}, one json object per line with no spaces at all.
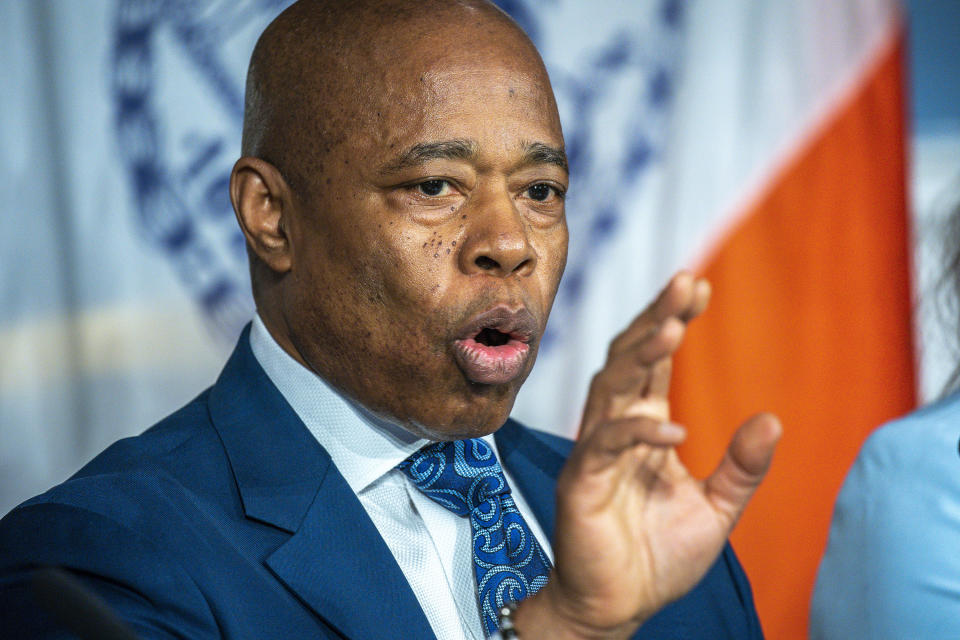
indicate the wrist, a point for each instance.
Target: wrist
{"x":549,"y":615}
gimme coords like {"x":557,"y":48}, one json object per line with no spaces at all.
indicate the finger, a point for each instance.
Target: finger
{"x":639,"y":392}
{"x":623,"y":370}
{"x":674,"y":300}
{"x":605,"y":388}
{"x":684,"y":298}
{"x":626,"y":380}
{"x":613,"y":438}
{"x":660,"y":373}
{"x":699,"y":300}
{"x":630,"y":372}
{"x":744,"y":465}
{"x":654,"y":467}
{"x":623,"y":408}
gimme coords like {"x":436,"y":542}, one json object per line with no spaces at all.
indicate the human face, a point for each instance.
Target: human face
{"x":428,"y":254}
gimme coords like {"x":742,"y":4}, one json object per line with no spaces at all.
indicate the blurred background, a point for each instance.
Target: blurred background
{"x":802,"y":154}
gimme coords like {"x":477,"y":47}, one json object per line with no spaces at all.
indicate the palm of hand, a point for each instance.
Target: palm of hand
{"x":644,"y":531}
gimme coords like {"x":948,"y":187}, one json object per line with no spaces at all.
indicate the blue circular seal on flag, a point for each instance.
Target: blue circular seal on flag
{"x":177,"y":75}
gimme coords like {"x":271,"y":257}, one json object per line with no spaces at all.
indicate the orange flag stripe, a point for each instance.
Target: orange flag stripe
{"x":810,"y":319}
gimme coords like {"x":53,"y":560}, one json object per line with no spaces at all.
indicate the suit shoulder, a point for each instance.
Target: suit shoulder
{"x":134,"y":521}
{"x":169,"y":458}
{"x":535,"y":437}
{"x":168,"y":434}
{"x":137,"y":578}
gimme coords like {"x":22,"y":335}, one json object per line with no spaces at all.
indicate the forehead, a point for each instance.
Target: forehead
{"x":501,"y":106}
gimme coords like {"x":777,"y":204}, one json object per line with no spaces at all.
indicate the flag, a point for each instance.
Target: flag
{"x":811,"y":317}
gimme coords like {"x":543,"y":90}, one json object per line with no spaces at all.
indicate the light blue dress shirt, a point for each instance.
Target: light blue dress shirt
{"x":892,"y":565}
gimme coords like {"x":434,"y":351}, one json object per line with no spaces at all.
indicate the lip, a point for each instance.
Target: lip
{"x":519,"y":325}
{"x":485,"y":364}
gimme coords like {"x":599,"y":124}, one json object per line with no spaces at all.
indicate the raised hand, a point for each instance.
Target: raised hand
{"x":636,"y":377}
{"x":634,"y":529}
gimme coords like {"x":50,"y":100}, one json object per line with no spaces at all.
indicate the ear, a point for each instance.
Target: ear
{"x":263,"y":202}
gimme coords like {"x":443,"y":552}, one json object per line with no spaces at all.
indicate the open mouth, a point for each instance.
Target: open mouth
{"x":494,"y":346}
{"x":490,"y":337}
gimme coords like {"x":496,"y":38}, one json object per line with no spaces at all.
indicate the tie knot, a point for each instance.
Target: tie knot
{"x":461,"y":475}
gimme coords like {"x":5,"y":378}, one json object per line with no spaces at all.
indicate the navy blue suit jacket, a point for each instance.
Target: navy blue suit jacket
{"x":228,"y":519}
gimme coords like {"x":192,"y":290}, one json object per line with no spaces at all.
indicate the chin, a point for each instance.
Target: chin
{"x":485,"y":409}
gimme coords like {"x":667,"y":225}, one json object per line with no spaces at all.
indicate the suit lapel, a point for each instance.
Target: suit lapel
{"x":335,"y":562}
{"x":534,"y":462}
{"x":340,"y":566}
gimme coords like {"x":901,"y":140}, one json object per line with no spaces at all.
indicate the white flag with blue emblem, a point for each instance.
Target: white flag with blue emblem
{"x":125,"y":279}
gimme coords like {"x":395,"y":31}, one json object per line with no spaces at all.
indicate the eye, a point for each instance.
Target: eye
{"x":541,"y":192}
{"x":434,"y":187}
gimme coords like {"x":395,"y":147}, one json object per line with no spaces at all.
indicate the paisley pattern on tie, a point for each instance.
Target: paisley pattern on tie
{"x":465,"y":477}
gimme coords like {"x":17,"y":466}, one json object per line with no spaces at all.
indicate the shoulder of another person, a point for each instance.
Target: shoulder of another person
{"x":927,"y":439}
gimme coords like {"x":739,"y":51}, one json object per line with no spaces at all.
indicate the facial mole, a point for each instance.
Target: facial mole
{"x":512,"y":92}
{"x":453,"y":242}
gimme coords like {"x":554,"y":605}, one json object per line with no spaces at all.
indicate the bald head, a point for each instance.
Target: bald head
{"x":323,"y":69}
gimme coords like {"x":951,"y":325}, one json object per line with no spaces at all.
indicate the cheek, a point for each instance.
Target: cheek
{"x":418,"y":266}
{"x":551,"y":250}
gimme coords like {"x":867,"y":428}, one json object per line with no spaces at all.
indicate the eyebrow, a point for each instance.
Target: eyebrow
{"x":458,"y":149}
{"x":425,"y":151}
{"x":540,"y":153}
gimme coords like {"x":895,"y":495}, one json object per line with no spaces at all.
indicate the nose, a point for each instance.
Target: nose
{"x":497,"y":240}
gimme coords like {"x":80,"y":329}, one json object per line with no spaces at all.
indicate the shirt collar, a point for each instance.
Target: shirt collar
{"x":361,"y":445}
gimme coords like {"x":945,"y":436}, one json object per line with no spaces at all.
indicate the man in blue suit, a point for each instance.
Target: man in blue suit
{"x":353,"y":471}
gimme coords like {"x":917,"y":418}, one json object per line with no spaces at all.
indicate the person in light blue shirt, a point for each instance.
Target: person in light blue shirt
{"x":891,"y":569}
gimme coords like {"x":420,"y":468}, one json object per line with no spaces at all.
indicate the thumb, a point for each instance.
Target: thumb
{"x":744,"y":465}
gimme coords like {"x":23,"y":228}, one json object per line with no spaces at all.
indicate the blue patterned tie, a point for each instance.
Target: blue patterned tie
{"x":465,"y":477}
